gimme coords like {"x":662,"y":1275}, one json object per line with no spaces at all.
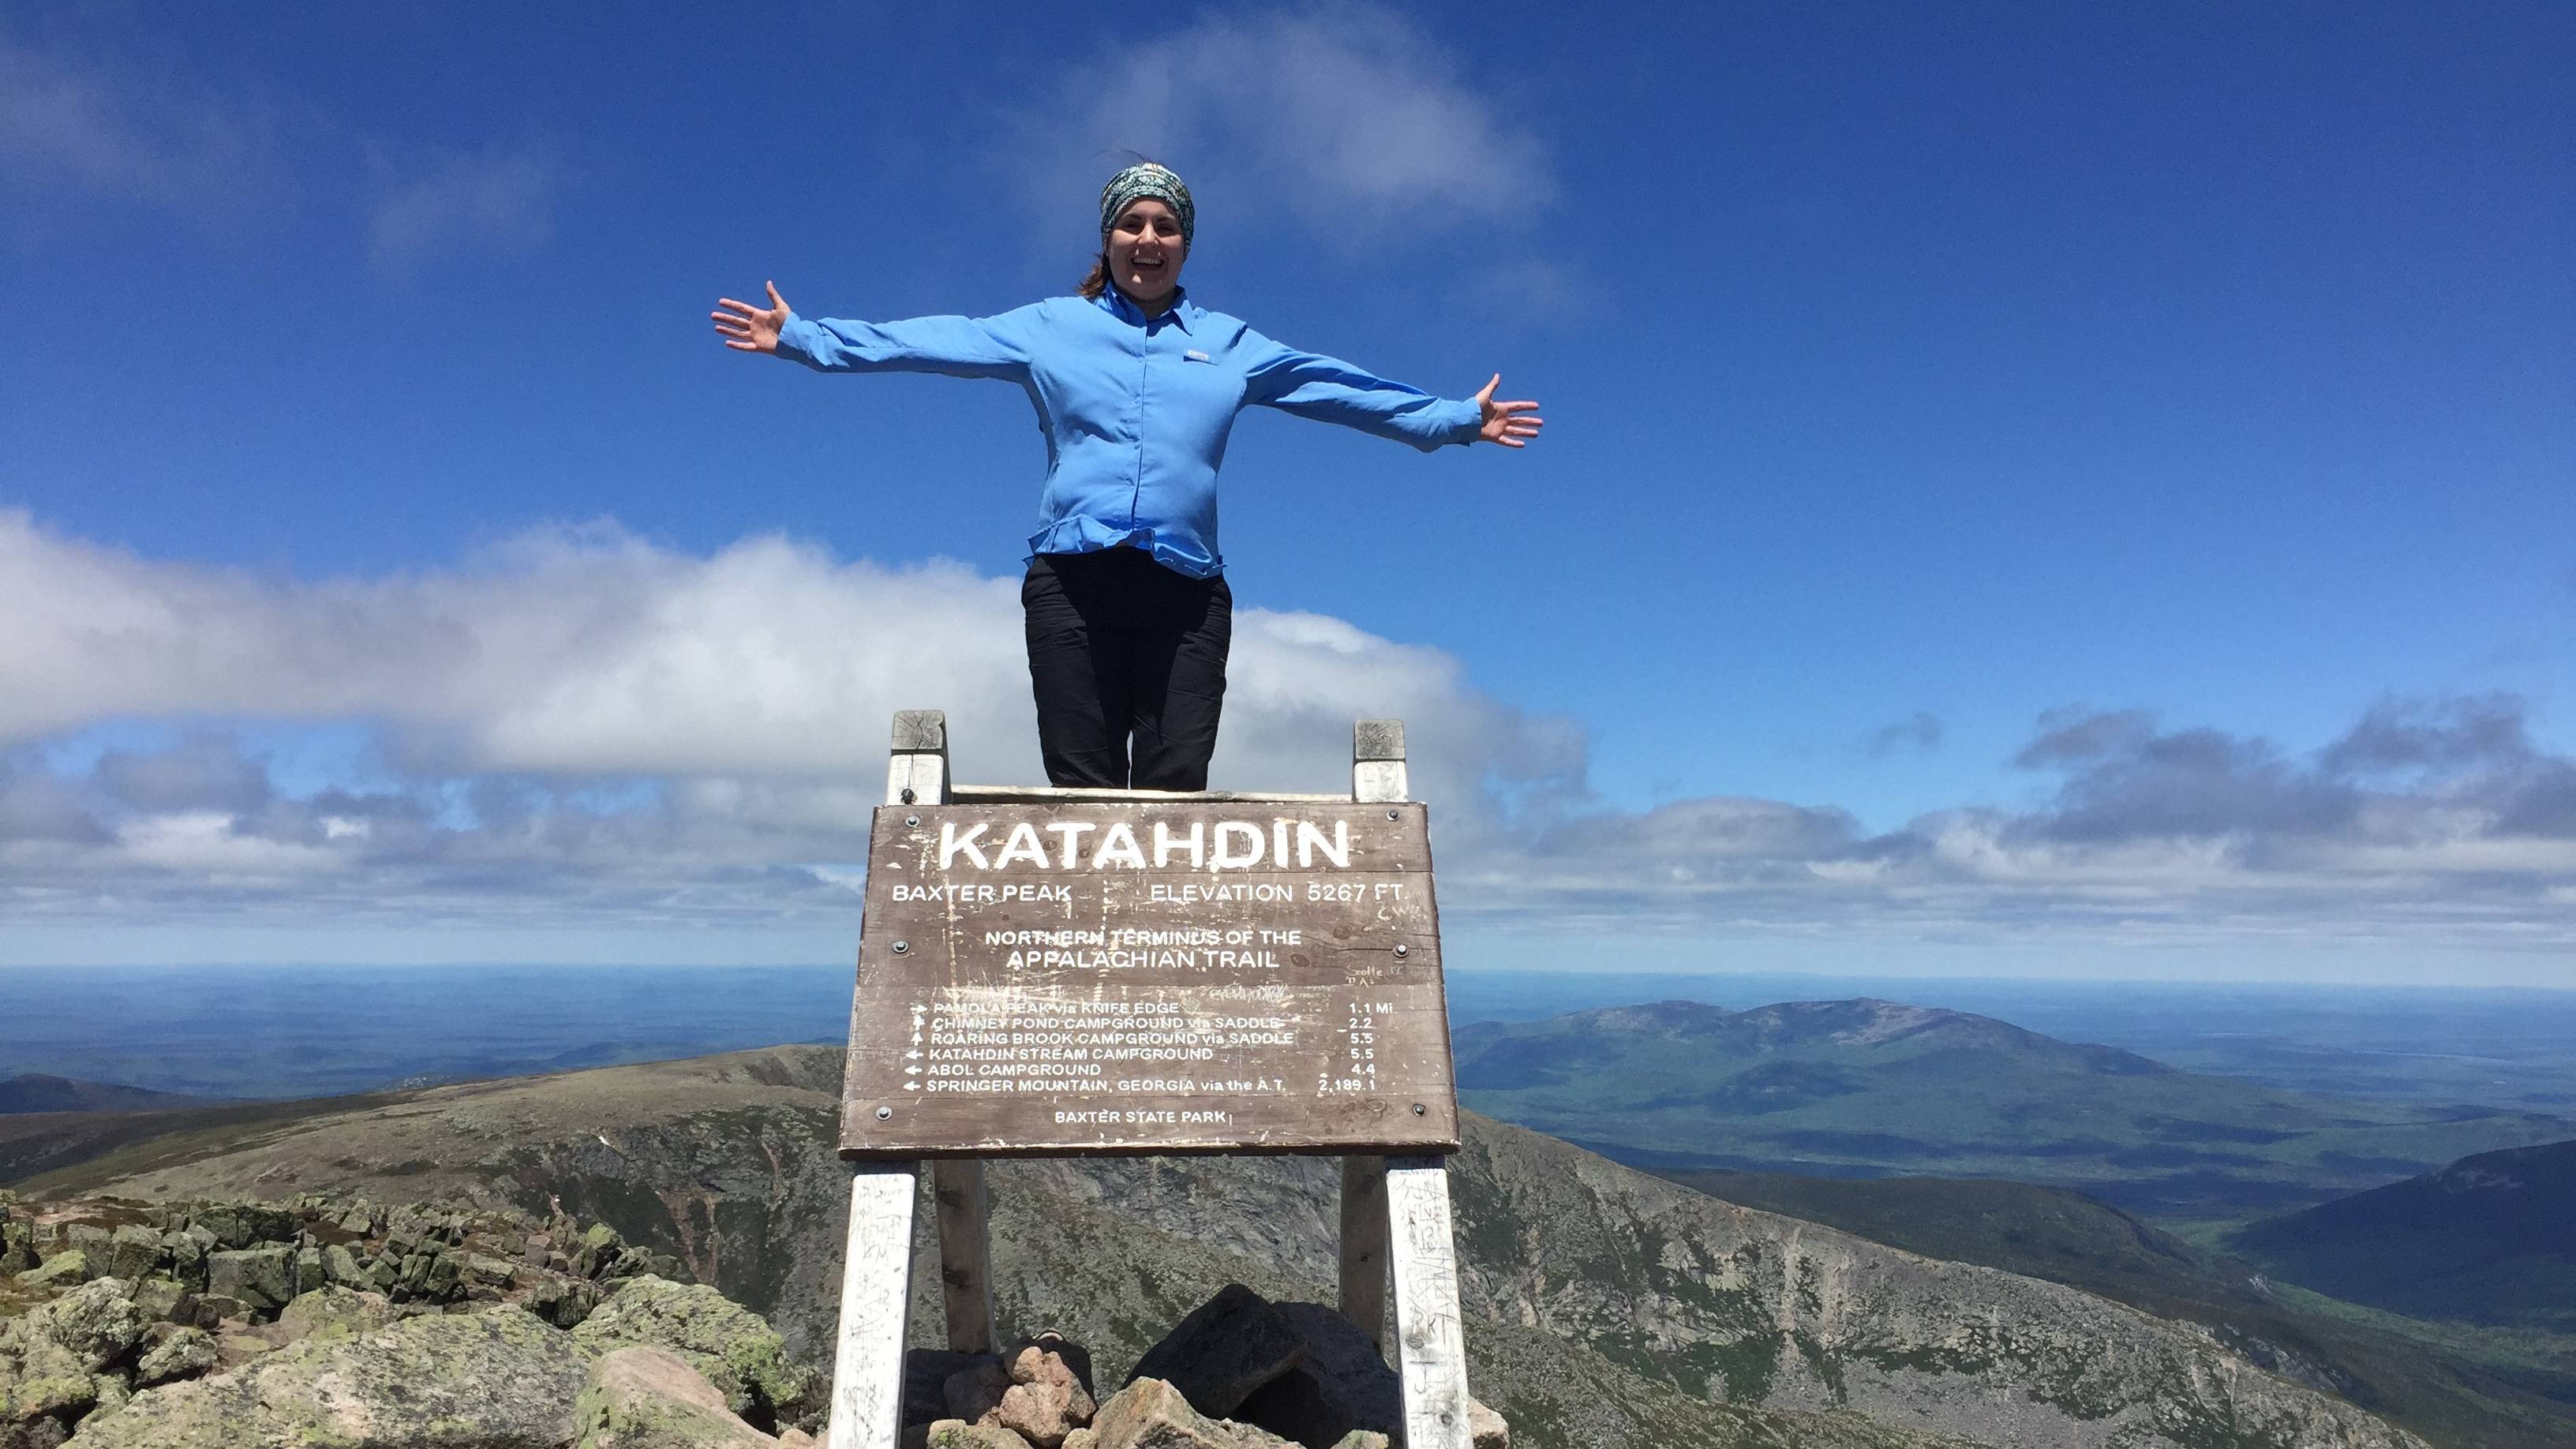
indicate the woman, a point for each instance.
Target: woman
{"x":1136,"y":388}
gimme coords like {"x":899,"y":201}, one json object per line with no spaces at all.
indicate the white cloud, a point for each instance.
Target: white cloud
{"x":1316,"y":114}
{"x":498,"y":199}
{"x":580,"y":730}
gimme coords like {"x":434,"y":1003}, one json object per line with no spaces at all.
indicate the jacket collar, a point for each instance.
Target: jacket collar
{"x":1183,"y":312}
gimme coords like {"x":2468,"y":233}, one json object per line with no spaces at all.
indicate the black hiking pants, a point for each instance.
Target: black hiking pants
{"x":1123,"y":649}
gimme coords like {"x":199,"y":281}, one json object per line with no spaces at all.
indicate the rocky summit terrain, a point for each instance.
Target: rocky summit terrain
{"x":1605,"y":1307}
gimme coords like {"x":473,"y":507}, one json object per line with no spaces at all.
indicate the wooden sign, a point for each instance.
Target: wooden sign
{"x":1198,"y":976}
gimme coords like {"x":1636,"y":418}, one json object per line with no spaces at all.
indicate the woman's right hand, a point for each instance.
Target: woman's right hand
{"x":746,"y":328}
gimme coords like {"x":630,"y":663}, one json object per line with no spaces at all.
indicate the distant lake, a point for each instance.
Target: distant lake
{"x":295,"y":1031}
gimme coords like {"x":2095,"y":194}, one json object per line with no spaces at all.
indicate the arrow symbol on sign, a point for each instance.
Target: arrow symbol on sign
{"x":912,"y":1086}
{"x":912,"y":1071}
{"x":912,"y":1056}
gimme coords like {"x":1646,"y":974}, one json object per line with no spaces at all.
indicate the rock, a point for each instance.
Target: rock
{"x":1046,"y":1400}
{"x":50,"y":1383}
{"x":738,"y":1352}
{"x":95,"y":1323}
{"x":1081,"y":1439}
{"x":1342,"y":1388}
{"x":34,"y":1434}
{"x":975,"y":1390}
{"x":1362,"y":1439}
{"x":308,"y":1270}
{"x":341,"y":1266}
{"x":259,"y":1277}
{"x":93,"y":1242}
{"x":958,"y":1434}
{"x":1228,"y":1347}
{"x":68,"y":1266}
{"x":598,"y":1249}
{"x":113,"y":1394}
{"x":650,"y":1398}
{"x":563,"y":1302}
{"x":133,"y":1252}
{"x":183,"y":1353}
{"x":335,"y":1312}
{"x":1152,"y":1414}
{"x":489,"y":1272}
{"x":925,"y":1375}
{"x":500,"y":1378}
{"x":187,"y":1257}
{"x":159,"y":1300}
{"x":795,"y":1439}
{"x":240,"y":1225}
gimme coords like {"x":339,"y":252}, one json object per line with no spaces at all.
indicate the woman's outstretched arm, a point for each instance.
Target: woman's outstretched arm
{"x":1330,"y":390}
{"x":959,"y":346}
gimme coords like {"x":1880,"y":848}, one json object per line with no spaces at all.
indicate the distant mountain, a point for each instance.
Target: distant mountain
{"x":1874,"y":1088}
{"x":2489,"y":1239}
{"x":36,"y":1092}
{"x":2449,"y":1390}
{"x":1603,"y":1308}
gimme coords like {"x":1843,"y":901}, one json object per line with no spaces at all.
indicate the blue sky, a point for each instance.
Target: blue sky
{"x":2026,"y":489}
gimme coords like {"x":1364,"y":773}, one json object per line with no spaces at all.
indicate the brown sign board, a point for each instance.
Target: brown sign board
{"x":1198,"y":976}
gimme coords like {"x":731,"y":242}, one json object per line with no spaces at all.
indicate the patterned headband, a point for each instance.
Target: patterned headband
{"x":1144,"y":179}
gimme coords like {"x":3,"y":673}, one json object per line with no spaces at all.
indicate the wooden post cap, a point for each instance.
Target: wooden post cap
{"x":1377,"y":739}
{"x":925,"y":731}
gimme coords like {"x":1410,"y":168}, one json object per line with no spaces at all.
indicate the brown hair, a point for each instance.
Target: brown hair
{"x":1098,"y":281}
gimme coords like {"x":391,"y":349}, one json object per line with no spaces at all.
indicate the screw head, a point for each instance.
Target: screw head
{"x":884,"y":1112}
{"x":1402,"y":949}
{"x":912,"y":820}
{"x":1392,"y":815}
{"x":908,"y":796}
{"x":900,"y":947}
{"x":1418,"y":1110}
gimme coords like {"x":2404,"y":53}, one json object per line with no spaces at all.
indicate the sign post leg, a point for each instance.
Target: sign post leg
{"x":1364,"y":1225}
{"x":876,"y":1294}
{"x":1430,"y":1344}
{"x":965,"y":1253}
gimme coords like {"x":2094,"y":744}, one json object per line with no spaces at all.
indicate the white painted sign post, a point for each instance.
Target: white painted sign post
{"x":1395,"y":1217}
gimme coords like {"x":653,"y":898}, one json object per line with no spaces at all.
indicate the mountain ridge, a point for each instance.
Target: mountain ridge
{"x":1866,"y":1087}
{"x":1622,"y":1310}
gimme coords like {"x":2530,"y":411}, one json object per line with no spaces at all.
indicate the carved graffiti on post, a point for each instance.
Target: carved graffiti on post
{"x":1194,"y":976}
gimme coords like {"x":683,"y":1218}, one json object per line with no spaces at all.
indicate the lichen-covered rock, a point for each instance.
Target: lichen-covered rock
{"x":95,"y":1323}
{"x":69,"y":1266}
{"x":496,"y":1380}
{"x":335,"y":1312}
{"x":1228,"y":1347}
{"x":133,"y":1251}
{"x":263,"y":1278}
{"x":651,"y":1398}
{"x":182,"y":1353}
{"x":738,"y":1352}
{"x":50,"y":1383}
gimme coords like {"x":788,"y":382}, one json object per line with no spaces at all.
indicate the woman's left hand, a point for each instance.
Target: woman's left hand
{"x":1507,"y":423}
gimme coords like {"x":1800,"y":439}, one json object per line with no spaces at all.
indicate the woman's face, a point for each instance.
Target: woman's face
{"x":1146,"y":251}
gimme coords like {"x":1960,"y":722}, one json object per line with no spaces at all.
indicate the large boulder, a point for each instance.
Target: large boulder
{"x":180,"y":1352}
{"x":1226,"y":1349}
{"x":651,"y":1398}
{"x":69,"y":1266}
{"x":260,"y":1278}
{"x":738,"y":1352}
{"x":96,"y":1323}
{"x":334,"y":1312}
{"x":494,"y":1380}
